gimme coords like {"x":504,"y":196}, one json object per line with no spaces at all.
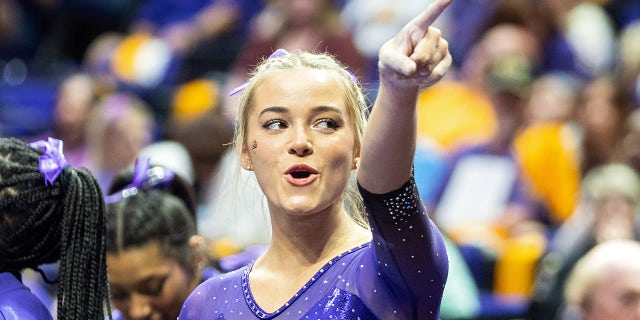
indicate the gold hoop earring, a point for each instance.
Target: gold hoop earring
{"x":356,"y":163}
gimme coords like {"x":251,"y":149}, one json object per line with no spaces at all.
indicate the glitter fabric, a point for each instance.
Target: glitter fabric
{"x":400,"y":274}
{"x":17,"y":301}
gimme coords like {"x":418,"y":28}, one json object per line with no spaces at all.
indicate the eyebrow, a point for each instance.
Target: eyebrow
{"x":152,"y":277}
{"x":141,"y":282}
{"x":318,"y":109}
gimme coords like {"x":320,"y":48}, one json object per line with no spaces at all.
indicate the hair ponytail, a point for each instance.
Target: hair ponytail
{"x":58,"y":221}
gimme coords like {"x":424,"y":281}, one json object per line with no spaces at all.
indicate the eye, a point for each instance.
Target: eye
{"x":629,"y":298}
{"x":153,"y":287}
{"x":117,"y":294}
{"x":275,"y":124}
{"x":327,"y":123}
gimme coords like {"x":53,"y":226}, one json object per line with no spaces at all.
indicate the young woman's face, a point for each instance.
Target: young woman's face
{"x":300,"y":141}
{"x":599,"y":114}
{"x":147,"y":285}
{"x":616,"y":296}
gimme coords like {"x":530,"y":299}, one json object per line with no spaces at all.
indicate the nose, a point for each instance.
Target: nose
{"x":140,"y":307}
{"x":300,"y":142}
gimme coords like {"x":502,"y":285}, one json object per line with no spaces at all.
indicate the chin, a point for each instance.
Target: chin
{"x":300,"y":211}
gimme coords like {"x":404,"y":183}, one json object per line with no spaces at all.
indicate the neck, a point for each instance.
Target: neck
{"x":312,"y":239}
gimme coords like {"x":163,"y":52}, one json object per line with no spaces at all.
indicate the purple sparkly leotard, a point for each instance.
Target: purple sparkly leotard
{"x":18,"y":302}
{"x":400,"y":274}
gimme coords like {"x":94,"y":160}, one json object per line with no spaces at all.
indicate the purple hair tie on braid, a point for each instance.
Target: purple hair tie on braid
{"x":52,"y":161}
{"x":144,"y":177}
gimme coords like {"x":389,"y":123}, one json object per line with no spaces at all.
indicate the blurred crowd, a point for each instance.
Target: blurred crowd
{"x":529,"y":149}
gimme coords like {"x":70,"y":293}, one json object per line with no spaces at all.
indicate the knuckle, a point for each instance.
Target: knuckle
{"x":434,"y":31}
{"x":444,"y":44}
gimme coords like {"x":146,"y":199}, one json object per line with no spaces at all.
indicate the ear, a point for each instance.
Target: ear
{"x":197,"y":244}
{"x":356,"y":159}
{"x":245,"y":159}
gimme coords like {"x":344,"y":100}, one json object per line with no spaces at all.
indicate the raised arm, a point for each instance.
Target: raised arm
{"x":416,"y":57}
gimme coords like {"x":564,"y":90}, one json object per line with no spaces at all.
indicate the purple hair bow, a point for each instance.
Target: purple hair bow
{"x":140,"y":168}
{"x":52,"y":161}
{"x":276,"y":54}
{"x":144,"y":177}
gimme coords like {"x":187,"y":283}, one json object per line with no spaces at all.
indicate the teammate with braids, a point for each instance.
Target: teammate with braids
{"x":50,"y":212}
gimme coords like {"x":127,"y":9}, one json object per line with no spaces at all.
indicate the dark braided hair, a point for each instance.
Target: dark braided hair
{"x":63,"y":222}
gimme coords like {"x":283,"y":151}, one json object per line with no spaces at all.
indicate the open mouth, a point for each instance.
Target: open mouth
{"x":300,"y":174}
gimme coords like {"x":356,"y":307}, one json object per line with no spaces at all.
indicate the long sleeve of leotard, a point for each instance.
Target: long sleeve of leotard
{"x":408,"y":256}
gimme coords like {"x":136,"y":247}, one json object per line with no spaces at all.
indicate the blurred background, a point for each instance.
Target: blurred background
{"x":529,"y":148}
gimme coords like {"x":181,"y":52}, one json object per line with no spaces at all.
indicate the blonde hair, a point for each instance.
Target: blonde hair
{"x":595,"y":264}
{"x":116,"y":112}
{"x":611,"y":178}
{"x":354,"y":97}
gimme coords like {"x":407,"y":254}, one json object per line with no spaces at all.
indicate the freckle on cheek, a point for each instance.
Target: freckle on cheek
{"x":254,"y":146}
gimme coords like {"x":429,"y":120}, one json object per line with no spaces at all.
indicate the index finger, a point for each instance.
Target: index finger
{"x":429,"y":15}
